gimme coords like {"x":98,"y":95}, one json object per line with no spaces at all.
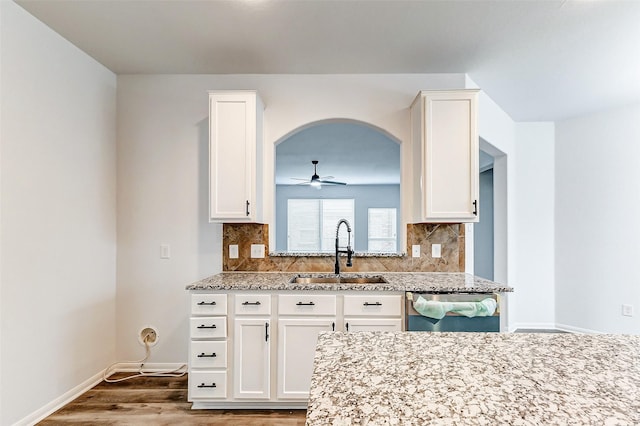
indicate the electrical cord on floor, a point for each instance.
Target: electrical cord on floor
{"x":178,"y":372}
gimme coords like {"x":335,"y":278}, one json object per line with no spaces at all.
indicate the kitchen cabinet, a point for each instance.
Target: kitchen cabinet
{"x":252,"y":346}
{"x":300,"y":318}
{"x":258,"y":351}
{"x":252,"y":349}
{"x":372,"y":312}
{"x":297,"y":338}
{"x":445,"y":147}
{"x":208,"y":347}
{"x":235,"y":156}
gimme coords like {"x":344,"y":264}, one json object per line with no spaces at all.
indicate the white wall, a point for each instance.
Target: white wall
{"x":57,"y":216}
{"x":597,"y":232}
{"x":162,"y":177}
{"x":534,"y":225}
{"x":523,"y":237}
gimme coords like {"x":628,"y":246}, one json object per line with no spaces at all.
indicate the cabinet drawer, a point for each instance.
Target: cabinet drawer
{"x":306,"y":304}
{"x":208,"y":354}
{"x":372,"y":324}
{"x":253,"y":304}
{"x":207,"y":384}
{"x":208,"y":304}
{"x":208,"y":327}
{"x":373,"y":305}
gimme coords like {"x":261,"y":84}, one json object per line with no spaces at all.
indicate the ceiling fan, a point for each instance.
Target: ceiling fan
{"x":317,"y":181}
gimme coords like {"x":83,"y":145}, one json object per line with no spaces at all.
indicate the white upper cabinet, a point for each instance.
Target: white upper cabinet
{"x":445,"y":146}
{"x":235,"y":156}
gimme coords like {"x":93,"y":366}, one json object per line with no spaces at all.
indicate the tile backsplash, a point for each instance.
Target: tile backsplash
{"x":450,"y":236}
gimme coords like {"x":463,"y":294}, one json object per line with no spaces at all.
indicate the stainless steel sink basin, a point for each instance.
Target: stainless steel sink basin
{"x":372,"y":279}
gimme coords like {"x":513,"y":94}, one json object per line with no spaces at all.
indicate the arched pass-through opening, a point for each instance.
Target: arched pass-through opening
{"x":366,"y":158}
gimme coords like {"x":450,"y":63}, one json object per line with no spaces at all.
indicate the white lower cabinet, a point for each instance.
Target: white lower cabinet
{"x":252,"y":349}
{"x":252,"y":357}
{"x":372,"y":312}
{"x":208,"y":347}
{"x":297,"y":338}
{"x":208,"y":384}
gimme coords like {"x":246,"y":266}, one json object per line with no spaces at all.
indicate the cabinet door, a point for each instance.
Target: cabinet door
{"x":449,"y":155}
{"x":372,"y":324}
{"x":297,"y":338}
{"x":233,"y":140}
{"x":252,"y":343}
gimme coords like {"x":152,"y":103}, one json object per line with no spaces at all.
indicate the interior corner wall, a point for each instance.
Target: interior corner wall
{"x":597,"y":235}
{"x":521,"y":248}
{"x":534,"y":223}
{"x":57,"y":240}
{"x":497,"y":137}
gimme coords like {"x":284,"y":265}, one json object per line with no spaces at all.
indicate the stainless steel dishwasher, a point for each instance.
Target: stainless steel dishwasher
{"x":451,"y":321}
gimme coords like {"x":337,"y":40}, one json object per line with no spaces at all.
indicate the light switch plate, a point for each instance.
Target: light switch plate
{"x":257,"y":251}
{"x":627,"y":310}
{"x":436,"y":250}
{"x":415,"y":250}
{"x":165,"y":251}
{"x":233,"y":251}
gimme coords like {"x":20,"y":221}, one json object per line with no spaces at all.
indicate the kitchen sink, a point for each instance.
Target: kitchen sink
{"x":371,"y":279}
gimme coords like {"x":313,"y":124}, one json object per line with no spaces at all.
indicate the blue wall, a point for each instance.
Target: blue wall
{"x":365,"y":196}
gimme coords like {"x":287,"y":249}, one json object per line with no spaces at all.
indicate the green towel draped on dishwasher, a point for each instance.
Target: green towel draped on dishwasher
{"x":437,"y":309}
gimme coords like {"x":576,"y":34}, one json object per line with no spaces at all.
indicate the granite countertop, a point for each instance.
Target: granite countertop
{"x":413,"y":378}
{"x":396,"y":281}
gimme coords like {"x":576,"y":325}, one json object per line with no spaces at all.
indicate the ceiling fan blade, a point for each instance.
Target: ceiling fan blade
{"x":327,"y":177}
{"x":304,"y":179}
{"x":331,"y":182}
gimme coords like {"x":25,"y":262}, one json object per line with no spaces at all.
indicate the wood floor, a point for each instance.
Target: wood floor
{"x":158,"y":401}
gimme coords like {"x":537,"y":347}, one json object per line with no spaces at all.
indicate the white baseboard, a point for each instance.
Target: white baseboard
{"x":572,"y":329}
{"x":61,"y":401}
{"x":534,"y":326}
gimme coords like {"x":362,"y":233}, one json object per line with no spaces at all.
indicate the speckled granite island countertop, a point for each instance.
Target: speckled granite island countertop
{"x":396,"y":281}
{"x":413,"y":378}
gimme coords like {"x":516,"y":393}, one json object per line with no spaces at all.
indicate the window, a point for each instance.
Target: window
{"x":382,"y":230}
{"x":311,"y":224}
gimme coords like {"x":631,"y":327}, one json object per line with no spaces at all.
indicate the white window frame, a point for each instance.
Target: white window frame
{"x":393,"y":227}
{"x":323,"y":244}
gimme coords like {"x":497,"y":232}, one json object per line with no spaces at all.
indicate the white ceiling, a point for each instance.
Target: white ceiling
{"x":539,"y":60}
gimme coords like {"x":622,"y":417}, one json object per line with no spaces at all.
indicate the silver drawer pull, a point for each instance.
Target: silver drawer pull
{"x":372,"y":304}
{"x":305,"y":304}
{"x":203,"y":355}
{"x":207,"y":326}
{"x":251,"y":303}
{"x":212,"y":385}
{"x":206,"y":303}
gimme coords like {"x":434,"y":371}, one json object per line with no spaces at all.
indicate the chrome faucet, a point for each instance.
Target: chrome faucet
{"x":348,"y":250}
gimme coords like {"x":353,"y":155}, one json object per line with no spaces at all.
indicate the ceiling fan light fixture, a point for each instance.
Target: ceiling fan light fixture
{"x":316,"y":181}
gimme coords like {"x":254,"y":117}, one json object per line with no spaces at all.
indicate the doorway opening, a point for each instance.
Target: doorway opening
{"x":489,"y":236}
